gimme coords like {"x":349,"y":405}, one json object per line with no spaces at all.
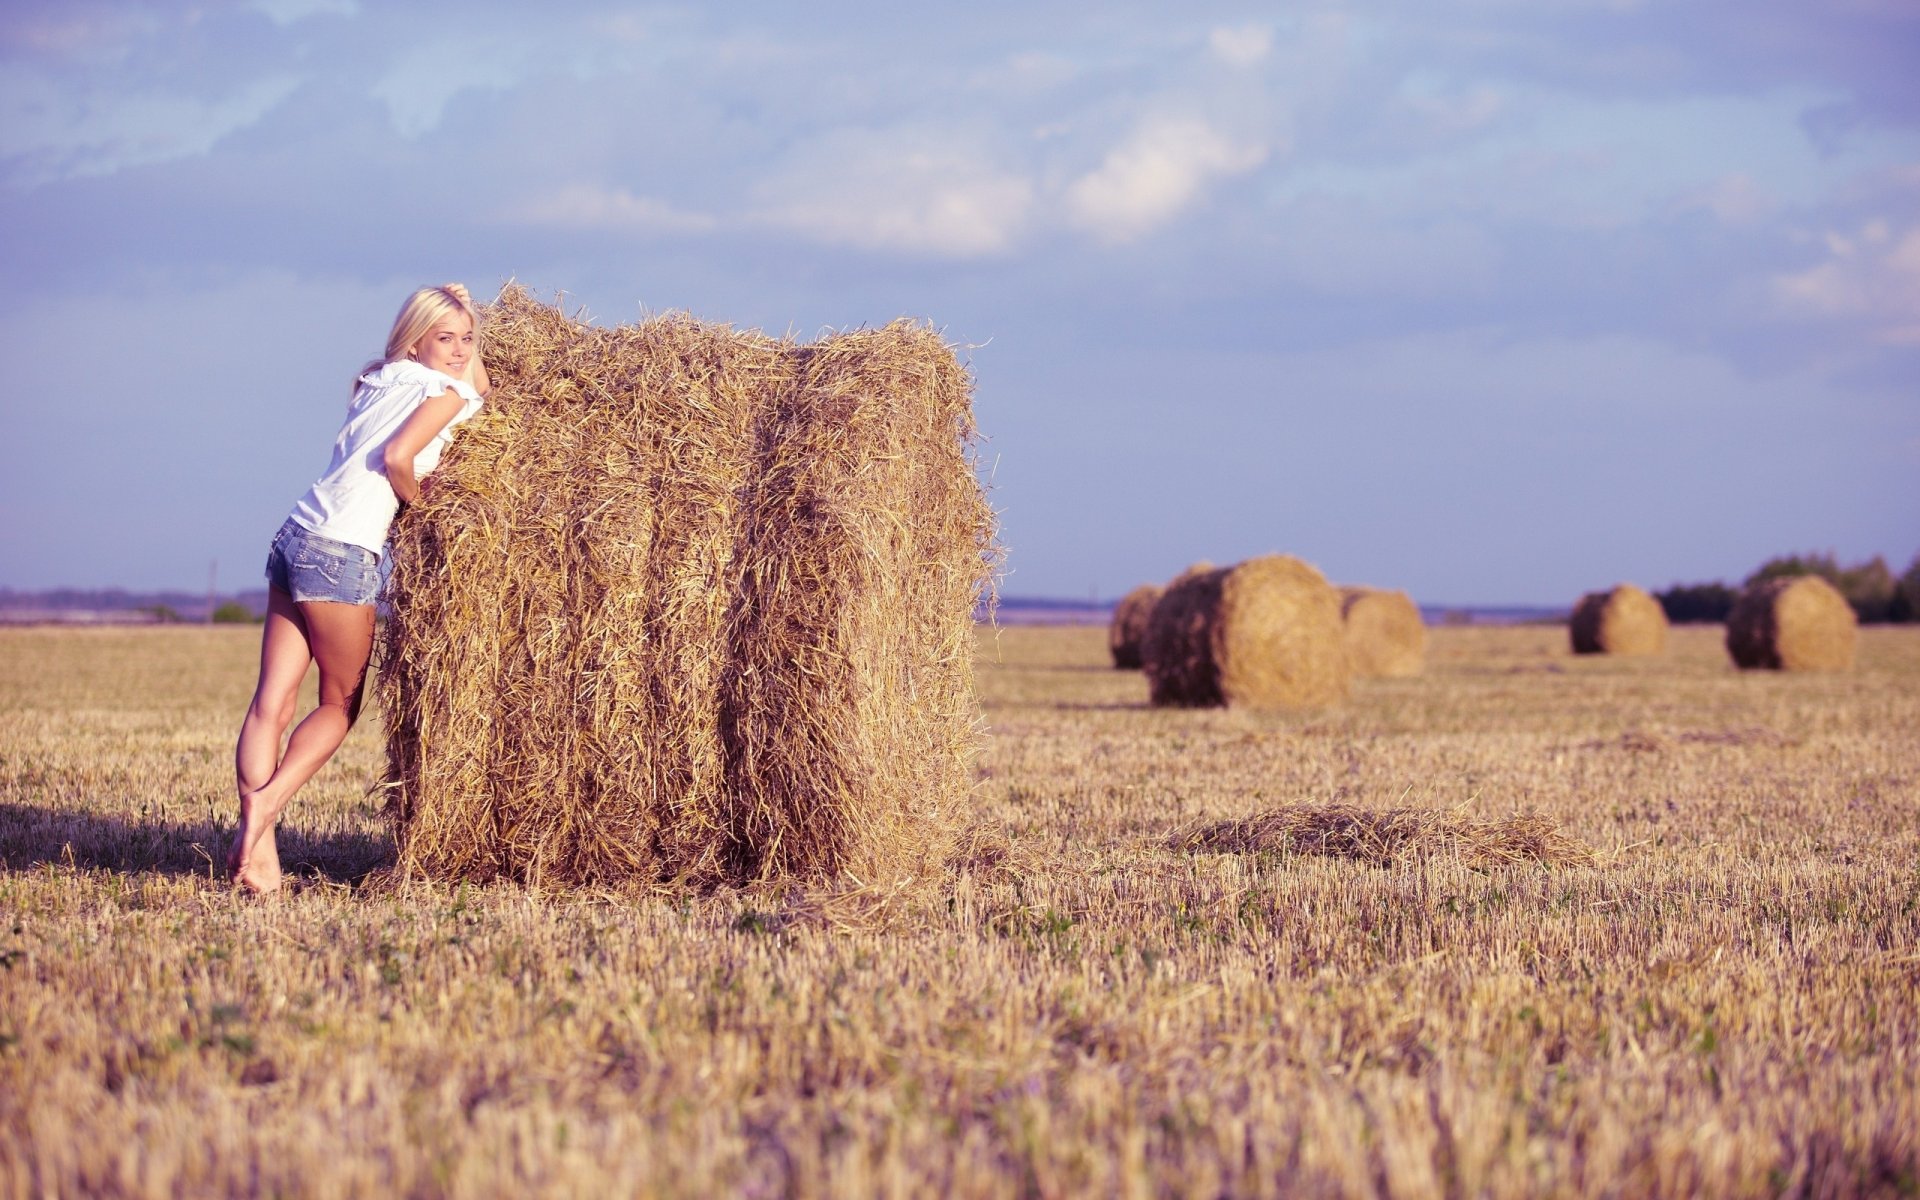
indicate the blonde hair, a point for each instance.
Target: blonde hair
{"x":423,"y":310}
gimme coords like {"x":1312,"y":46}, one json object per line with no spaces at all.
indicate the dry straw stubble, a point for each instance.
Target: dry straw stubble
{"x":1798,"y":623}
{"x":689,"y":605}
{"x":1265,"y":633}
{"x":1622,"y":620}
{"x":1128,"y":626}
{"x":1386,"y":637}
{"x":1381,"y":837}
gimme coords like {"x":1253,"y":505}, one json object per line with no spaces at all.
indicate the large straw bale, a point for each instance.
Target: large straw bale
{"x":686,"y":604}
{"x":1795,"y":623}
{"x":1386,"y":636}
{"x":1129,"y":625}
{"x":1263,"y":634}
{"x":1622,"y":620}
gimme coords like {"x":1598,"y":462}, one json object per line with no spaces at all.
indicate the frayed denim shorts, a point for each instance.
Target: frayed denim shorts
{"x":307,"y":566}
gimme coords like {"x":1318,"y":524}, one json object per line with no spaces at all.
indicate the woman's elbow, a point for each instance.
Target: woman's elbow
{"x":395,"y":460}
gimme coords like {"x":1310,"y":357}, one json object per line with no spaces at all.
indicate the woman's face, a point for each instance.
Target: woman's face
{"x":447,"y":347}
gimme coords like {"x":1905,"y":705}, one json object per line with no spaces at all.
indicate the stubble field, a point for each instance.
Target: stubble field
{"x":1725,"y":1002}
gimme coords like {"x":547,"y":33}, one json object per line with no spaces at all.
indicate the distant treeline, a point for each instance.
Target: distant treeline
{"x":1876,"y":593}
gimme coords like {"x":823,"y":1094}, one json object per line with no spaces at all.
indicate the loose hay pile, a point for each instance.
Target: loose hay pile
{"x":1801,"y":623}
{"x":1386,"y":637}
{"x":1623,"y":620}
{"x":688,"y":605}
{"x":1129,"y":625}
{"x":1264,"y":634}
{"x":1381,"y":838}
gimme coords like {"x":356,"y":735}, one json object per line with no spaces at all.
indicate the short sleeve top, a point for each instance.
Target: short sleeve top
{"x":353,"y":501}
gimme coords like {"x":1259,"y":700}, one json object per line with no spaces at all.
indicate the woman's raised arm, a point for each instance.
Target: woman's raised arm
{"x":427,"y":421}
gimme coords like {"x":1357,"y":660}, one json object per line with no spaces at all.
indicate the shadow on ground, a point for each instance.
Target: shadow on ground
{"x":31,"y":836}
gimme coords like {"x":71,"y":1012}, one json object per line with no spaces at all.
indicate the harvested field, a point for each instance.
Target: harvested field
{"x":1724,"y":1001}
{"x":1385,"y":836}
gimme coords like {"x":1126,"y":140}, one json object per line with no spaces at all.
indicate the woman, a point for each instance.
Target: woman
{"x":323,"y":571}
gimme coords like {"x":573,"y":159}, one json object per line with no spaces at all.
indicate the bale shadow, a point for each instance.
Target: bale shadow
{"x":32,"y":836}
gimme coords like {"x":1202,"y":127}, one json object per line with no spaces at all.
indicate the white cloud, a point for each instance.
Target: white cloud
{"x":916,"y":191}
{"x":1242,"y":47}
{"x":54,"y":130}
{"x":1873,"y":274}
{"x":1159,"y":170}
{"x":589,"y":206}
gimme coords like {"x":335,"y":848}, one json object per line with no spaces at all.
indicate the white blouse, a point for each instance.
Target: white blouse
{"x":353,"y":501}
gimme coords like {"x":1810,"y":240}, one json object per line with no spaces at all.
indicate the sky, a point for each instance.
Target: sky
{"x":1497,"y":301}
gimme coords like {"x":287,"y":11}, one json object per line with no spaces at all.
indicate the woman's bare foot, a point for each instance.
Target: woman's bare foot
{"x":261,"y":872}
{"x":254,"y":859}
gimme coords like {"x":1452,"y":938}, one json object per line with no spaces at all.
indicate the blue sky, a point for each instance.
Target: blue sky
{"x":1493,"y":300}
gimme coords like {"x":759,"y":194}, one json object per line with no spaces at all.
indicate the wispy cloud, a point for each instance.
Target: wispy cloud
{"x":1161,"y":168}
{"x":920,"y":191}
{"x":591,"y":206}
{"x":423,"y":80}
{"x":289,"y":12}
{"x":1872,"y":274}
{"x":51,"y":129}
{"x":1243,"y":46}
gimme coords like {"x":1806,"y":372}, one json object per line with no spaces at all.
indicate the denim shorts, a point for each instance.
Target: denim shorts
{"x":307,"y":566}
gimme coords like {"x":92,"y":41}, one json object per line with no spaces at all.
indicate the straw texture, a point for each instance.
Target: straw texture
{"x":687,"y":605}
{"x":1622,"y":620}
{"x":1798,"y":623}
{"x":1266,"y":633}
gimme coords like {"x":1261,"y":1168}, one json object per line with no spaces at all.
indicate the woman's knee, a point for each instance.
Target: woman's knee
{"x":275,"y":712}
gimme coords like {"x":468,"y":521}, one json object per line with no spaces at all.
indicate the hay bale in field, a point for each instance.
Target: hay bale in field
{"x":1622,"y":620}
{"x":1129,"y":625}
{"x":1386,"y":637}
{"x":1264,"y":634}
{"x":689,"y":605}
{"x":1799,"y":623}
{"x":1382,"y":837}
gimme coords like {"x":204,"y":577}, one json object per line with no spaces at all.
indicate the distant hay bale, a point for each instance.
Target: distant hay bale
{"x":687,"y":606}
{"x":1797,"y":623}
{"x":1386,"y":636}
{"x":1622,"y":620}
{"x":1381,"y":838}
{"x":1263,"y":634}
{"x":1129,"y":625}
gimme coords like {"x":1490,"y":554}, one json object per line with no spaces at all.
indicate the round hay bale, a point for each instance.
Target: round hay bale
{"x":1800,"y":623}
{"x":1129,"y":625}
{"x":1623,"y":620}
{"x":1386,"y":638}
{"x":1264,"y":634}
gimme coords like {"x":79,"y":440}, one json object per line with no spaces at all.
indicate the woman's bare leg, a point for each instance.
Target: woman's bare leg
{"x":340,"y":638}
{"x":284,"y":658}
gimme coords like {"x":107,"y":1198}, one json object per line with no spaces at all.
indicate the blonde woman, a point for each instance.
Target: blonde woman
{"x":323,"y":570}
